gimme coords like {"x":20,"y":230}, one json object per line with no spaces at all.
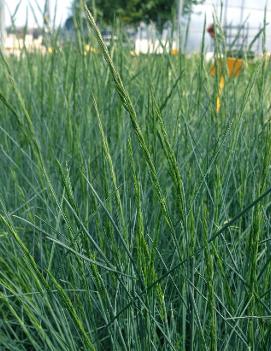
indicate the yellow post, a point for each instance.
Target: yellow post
{"x":220,"y":90}
{"x":234,"y":67}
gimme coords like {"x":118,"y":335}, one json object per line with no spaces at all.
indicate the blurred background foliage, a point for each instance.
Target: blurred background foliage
{"x":135,"y":11}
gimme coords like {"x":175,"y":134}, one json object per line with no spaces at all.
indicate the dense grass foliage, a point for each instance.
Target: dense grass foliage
{"x":133,"y":215}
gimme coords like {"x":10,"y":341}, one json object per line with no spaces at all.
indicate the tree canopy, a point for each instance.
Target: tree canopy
{"x":134,"y":11}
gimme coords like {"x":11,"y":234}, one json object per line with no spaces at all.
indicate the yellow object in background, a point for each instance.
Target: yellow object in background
{"x":89,"y":49}
{"x":234,"y":68}
{"x":174,"y":52}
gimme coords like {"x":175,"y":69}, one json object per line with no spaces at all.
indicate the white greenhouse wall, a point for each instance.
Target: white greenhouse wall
{"x":252,"y":15}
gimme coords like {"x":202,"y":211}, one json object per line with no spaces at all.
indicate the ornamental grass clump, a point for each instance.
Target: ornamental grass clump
{"x":132,"y":215}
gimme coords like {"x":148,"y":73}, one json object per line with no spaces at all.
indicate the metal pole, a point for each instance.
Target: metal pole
{"x":241,"y":23}
{"x":242,"y":12}
{"x":179,"y":29}
{"x":226,"y":12}
{"x":47,"y":14}
{"x":2,"y":24}
{"x":46,"y":23}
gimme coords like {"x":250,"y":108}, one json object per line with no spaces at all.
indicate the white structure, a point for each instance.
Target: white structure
{"x":148,"y":41}
{"x":2,"y":24}
{"x":232,"y":14}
